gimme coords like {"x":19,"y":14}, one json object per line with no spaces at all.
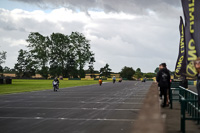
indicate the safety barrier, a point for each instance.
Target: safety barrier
{"x":6,"y":81}
{"x":110,"y":79}
{"x":87,"y":78}
{"x":189,"y":104}
{"x":174,"y":93}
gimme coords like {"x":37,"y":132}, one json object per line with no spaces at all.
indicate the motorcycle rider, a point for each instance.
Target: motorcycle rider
{"x":57,"y":81}
{"x":114,"y":79}
{"x":120,"y":79}
{"x":100,"y":81}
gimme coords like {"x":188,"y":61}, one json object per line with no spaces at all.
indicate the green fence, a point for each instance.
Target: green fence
{"x":174,"y":92}
{"x":189,"y":103}
{"x":190,"y":82}
{"x":74,"y":79}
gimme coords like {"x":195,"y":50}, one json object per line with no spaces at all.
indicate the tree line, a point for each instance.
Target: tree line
{"x":57,"y":55}
{"x":129,"y":73}
{"x":62,"y":55}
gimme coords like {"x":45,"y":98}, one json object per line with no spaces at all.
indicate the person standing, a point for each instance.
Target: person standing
{"x":158,"y":83}
{"x":163,"y":79}
{"x":197,"y":66}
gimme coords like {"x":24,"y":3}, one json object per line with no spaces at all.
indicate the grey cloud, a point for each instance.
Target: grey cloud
{"x":8,"y":27}
{"x":11,"y":31}
{"x":140,"y":41}
{"x":11,"y":27}
{"x":143,"y":42}
{"x":7,"y":23}
{"x":127,"y":6}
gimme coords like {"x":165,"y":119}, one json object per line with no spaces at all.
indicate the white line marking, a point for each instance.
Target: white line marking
{"x":38,"y":118}
{"x":69,"y":108}
{"x":104,"y":98}
{"x":68,"y":119}
{"x":83,"y":102}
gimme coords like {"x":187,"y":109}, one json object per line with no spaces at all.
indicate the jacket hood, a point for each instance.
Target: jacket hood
{"x":164,"y":70}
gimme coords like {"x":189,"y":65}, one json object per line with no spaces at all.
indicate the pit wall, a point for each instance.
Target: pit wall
{"x":149,"y":118}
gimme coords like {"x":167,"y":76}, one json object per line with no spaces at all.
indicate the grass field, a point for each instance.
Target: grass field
{"x":21,"y":85}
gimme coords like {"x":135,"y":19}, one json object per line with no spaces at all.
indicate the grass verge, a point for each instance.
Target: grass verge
{"x":21,"y":85}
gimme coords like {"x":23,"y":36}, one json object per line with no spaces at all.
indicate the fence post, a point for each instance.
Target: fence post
{"x":180,"y":94}
{"x":186,"y":97}
{"x":198,"y":122}
{"x":183,"y":115}
{"x":171,"y":100}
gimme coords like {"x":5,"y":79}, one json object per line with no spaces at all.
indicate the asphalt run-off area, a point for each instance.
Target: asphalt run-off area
{"x":110,"y":108}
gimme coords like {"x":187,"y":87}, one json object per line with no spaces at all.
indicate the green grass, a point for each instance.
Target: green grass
{"x":21,"y":85}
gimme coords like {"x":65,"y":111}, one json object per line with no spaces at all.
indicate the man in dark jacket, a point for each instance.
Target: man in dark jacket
{"x":163,"y":79}
{"x":197,"y":66}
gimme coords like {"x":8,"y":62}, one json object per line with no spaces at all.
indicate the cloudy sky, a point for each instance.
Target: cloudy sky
{"x":134,"y":33}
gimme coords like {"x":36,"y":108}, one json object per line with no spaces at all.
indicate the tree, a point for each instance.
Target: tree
{"x":81,"y":48}
{"x":91,"y":67}
{"x":105,"y":71}
{"x":26,"y":66}
{"x":59,"y":52}
{"x":38,"y":46}
{"x":149,"y":75}
{"x":138,"y":73}
{"x":6,"y":69}
{"x":127,"y":72}
{"x":2,"y":59}
{"x":156,"y":70}
{"x":1,"y":71}
{"x":71,"y":66}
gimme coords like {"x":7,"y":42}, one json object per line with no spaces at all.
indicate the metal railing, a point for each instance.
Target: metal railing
{"x":189,"y":103}
{"x":174,"y":93}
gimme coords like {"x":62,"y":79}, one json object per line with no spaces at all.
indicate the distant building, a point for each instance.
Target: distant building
{"x":87,"y":75}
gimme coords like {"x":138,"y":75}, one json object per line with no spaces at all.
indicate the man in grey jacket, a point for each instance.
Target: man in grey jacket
{"x":163,"y":79}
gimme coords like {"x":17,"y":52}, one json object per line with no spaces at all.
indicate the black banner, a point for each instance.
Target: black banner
{"x":191,"y":18}
{"x":180,"y":69}
{"x":197,"y":26}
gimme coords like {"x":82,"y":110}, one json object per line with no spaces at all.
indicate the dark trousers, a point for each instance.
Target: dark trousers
{"x":160,"y":93}
{"x":164,"y":93}
{"x":198,"y":91}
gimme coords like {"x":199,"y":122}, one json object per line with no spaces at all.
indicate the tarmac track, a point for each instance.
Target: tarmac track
{"x":110,"y":108}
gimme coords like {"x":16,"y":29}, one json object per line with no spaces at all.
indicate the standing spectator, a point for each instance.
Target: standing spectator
{"x":163,"y":79}
{"x":158,"y":83}
{"x":144,"y":79}
{"x":184,"y":82}
{"x":197,"y":66}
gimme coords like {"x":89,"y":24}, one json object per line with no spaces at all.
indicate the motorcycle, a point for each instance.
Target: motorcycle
{"x":114,"y":81}
{"x":100,"y":82}
{"x":55,"y":86}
